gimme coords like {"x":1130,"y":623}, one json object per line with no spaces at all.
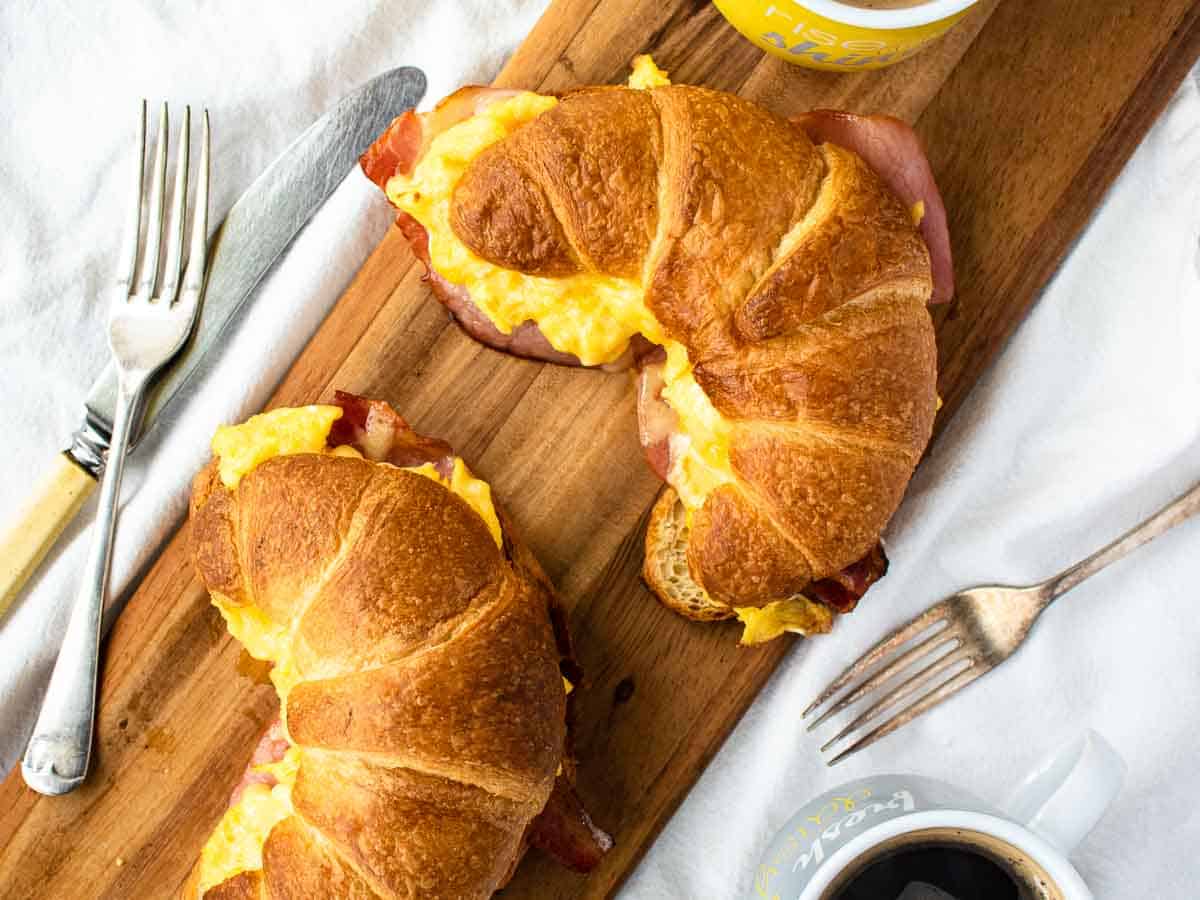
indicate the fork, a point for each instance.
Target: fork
{"x":145,"y":330}
{"x":963,"y":637}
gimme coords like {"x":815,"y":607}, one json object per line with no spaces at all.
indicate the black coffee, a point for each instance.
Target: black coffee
{"x":932,"y":872}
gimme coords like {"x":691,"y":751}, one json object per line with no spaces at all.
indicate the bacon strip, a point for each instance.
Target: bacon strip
{"x":379,"y":433}
{"x":565,"y":830}
{"x":894,"y":151}
{"x":841,"y":592}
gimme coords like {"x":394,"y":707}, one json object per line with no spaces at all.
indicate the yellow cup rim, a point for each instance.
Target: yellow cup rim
{"x":886,"y":19}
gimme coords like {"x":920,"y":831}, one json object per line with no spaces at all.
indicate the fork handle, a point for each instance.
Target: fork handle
{"x":1178,"y":510}
{"x":56,"y":760}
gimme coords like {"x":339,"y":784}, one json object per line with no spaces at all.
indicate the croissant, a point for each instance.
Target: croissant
{"x":418,"y":655}
{"x":771,"y":291}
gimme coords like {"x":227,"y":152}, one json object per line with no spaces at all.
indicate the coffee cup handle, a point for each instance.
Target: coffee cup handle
{"x":1064,"y":797}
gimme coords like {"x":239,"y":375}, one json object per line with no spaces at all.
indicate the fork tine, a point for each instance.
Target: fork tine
{"x":906,"y":715}
{"x":193,"y":278}
{"x":133,"y":222}
{"x":901,"y":662}
{"x":155,"y":226}
{"x":174,"y":264}
{"x":901,"y":635}
{"x":905,"y":688}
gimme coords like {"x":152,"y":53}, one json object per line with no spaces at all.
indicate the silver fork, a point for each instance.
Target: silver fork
{"x":962,"y":638}
{"x":145,"y":330}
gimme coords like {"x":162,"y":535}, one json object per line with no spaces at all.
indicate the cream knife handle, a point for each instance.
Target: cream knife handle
{"x":50,"y":509}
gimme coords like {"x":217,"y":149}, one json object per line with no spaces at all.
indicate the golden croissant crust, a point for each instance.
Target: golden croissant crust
{"x":424,"y":706}
{"x":771,"y":291}
{"x":793,"y":278}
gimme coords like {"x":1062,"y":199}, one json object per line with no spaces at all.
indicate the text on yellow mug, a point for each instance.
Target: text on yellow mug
{"x":839,"y":35}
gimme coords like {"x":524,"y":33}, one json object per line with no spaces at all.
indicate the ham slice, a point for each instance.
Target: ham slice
{"x":379,"y":433}
{"x":841,"y":592}
{"x":565,"y":830}
{"x":893,"y":150}
{"x":396,"y":150}
{"x":657,"y":422}
{"x":525,"y":340}
{"x":401,"y":146}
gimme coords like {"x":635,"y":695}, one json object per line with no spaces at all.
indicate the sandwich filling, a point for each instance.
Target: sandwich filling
{"x":589,"y":315}
{"x":236,"y":844}
{"x":305,"y":429}
{"x":280,"y":432}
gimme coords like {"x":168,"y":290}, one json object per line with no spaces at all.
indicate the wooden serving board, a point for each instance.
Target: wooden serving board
{"x":1029,"y":109}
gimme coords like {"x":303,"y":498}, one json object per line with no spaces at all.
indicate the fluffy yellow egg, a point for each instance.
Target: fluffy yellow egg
{"x":279,"y":432}
{"x":796,"y":614}
{"x":236,"y":844}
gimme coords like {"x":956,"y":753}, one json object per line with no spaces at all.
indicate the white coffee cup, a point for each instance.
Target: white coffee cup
{"x":1041,"y":824}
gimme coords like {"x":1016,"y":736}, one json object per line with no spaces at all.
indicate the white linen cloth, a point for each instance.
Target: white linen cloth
{"x":1087,"y":423}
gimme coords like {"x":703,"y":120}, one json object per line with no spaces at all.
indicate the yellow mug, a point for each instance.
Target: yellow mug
{"x":840,"y":36}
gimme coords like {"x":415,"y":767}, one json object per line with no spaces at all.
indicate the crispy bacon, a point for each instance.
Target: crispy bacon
{"x":841,"y":592}
{"x":565,"y":830}
{"x":379,"y":433}
{"x":894,"y":151}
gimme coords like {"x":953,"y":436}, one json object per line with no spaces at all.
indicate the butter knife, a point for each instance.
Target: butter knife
{"x":254,"y":234}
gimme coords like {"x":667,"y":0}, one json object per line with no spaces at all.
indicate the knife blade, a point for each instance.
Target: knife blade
{"x":254,"y":234}
{"x":256,"y":231}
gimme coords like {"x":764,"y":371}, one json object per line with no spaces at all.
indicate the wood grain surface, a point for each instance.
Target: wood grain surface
{"x":1029,"y":110}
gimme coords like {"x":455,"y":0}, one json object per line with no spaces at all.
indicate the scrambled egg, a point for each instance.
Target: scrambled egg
{"x":646,"y":74}
{"x":797,"y":614}
{"x":280,"y":432}
{"x":236,"y":844}
{"x":305,"y":429}
{"x":701,"y":449}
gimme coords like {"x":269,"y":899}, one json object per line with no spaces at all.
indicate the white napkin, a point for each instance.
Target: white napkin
{"x":1088,"y":423}
{"x":68,"y":99}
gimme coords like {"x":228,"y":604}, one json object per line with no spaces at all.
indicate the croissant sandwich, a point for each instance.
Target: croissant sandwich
{"x":420,"y":658}
{"x":767,"y":278}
